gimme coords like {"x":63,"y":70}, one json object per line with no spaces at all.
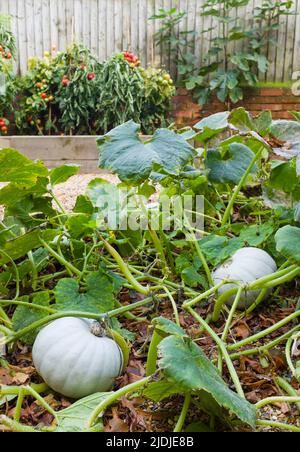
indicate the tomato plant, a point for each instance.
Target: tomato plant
{"x":73,"y":93}
{"x":7,"y":76}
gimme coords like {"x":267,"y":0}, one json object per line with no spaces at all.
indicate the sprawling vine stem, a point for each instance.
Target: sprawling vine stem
{"x":242,"y":182}
{"x":223,"y":350}
{"x":125,"y":270}
{"x":183,"y":414}
{"x":264,"y":333}
{"x":153,"y":353}
{"x":111,"y":399}
{"x":286,"y":387}
{"x":279,"y":425}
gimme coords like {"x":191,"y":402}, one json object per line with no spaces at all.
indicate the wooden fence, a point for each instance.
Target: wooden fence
{"x":109,"y":26}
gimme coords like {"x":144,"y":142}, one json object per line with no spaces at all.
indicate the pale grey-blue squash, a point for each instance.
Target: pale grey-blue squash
{"x":76,"y":359}
{"x":245,"y":266}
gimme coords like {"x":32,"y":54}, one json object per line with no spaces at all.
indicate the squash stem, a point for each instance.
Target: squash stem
{"x":153,"y":353}
{"x":231,"y":315}
{"x":14,"y":426}
{"x":18,"y":409}
{"x":223,"y":349}
{"x":40,"y":323}
{"x":264,"y":349}
{"x":183,"y":415}
{"x":242,"y":182}
{"x":203,"y":296}
{"x":279,"y":425}
{"x":125,"y":270}
{"x":286,"y":387}
{"x":289,"y":356}
{"x":274,"y":400}
{"x":262,"y":334}
{"x":174,"y":306}
{"x":257,"y":302}
{"x":114,"y":397}
{"x":61,"y":259}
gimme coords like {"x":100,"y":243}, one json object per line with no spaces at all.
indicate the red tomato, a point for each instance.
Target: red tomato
{"x":91,"y":76}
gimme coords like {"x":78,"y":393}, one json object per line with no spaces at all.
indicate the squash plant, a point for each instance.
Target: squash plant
{"x":70,"y":268}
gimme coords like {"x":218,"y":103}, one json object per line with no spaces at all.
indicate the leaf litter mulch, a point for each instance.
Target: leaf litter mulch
{"x":137,"y":414}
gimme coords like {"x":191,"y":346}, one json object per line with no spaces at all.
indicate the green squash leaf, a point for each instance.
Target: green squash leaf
{"x":167,"y":327}
{"x":75,"y":417}
{"x":241,"y":119}
{"x":25,"y":316}
{"x":287,"y":131}
{"x":20,"y":246}
{"x":161,"y":390}
{"x":63,"y":173}
{"x":212,"y":126}
{"x":230,"y":167}
{"x":187,"y":365}
{"x":288,"y":242}
{"x":15,"y":167}
{"x":123,"y":153}
{"x":98,"y":297}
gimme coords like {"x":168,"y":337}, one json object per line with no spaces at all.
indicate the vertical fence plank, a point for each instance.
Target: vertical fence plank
{"x":38,"y":27}
{"x":46,"y":25}
{"x":86,"y":23}
{"x":54,"y":22}
{"x":118,"y":21}
{"x":134,"y":29}
{"x":22,"y":36}
{"x":78,"y":20}
{"x":102,"y":29}
{"x":70,"y":19}
{"x":110,"y":28}
{"x":143,"y":31}
{"x":296,"y":46}
{"x":94,"y":27}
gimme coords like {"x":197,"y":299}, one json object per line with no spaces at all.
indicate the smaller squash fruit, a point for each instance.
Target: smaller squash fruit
{"x":76,"y":359}
{"x":245,"y":266}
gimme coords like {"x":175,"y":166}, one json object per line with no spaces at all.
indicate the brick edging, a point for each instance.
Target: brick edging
{"x":279,"y":101}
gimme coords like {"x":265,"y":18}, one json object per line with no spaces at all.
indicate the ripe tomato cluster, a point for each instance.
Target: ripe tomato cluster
{"x":4,"y":123}
{"x":6,"y":55}
{"x":42,"y":88}
{"x":132,"y":59}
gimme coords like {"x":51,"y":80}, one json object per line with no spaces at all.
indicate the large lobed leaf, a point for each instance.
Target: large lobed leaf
{"x":15,"y":167}
{"x":123,"y":153}
{"x":19,"y":247}
{"x":75,"y":417}
{"x":187,"y":365}
{"x":24,"y":316}
{"x":98,"y":297}
{"x":229,"y":167}
{"x":288,"y":242}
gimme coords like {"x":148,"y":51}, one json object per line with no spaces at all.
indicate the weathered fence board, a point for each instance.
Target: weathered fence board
{"x":108,"y":26}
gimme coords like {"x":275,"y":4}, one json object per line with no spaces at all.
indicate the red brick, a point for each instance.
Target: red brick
{"x":271,"y":91}
{"x":183,"y":114}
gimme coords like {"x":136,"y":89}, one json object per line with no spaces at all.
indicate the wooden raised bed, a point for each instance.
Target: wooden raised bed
{"x":55,"y":151}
